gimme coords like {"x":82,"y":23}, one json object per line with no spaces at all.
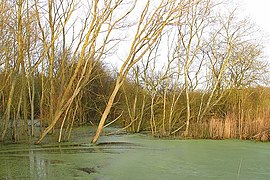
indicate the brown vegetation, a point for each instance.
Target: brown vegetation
{"x":186,"y":70}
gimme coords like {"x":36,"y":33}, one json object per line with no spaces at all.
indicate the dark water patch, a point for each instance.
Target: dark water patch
{"x":24,"y":157}
{"x":79,"y":151}
{"x":88,"y":170}
{"x":116,"y":144}
{"x":26,"y":147}
{"x":58,"y":150}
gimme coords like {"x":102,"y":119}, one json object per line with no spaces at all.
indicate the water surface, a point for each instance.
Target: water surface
{"x":136,"y":157}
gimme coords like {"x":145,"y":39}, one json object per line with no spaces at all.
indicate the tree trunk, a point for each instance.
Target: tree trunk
{"x":118,"y":84}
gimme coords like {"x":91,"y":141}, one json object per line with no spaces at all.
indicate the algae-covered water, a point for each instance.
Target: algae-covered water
{"x":136,"y":157}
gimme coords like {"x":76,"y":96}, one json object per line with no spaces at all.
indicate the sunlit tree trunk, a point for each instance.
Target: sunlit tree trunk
{"x":190,"y":36}
{"x":146,"y":36}
{"x":15,"y":72}
{"x":89,"y":54}
{"x":51,"y":60}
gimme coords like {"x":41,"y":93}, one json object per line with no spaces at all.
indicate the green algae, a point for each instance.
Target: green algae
{"x":136,"y":157}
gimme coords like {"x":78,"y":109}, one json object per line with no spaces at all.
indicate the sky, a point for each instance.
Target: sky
{"x":259,"y":12}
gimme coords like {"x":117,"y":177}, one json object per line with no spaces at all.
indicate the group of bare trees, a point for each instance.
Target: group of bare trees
{"x":213,"y":61}
{"x":47,"y":61}
{"x":181,"y":60}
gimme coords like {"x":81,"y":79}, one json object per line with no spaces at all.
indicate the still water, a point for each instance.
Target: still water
{"x":136,"y":157}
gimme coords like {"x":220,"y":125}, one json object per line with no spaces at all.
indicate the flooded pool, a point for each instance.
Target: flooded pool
{"x":136,"y":157}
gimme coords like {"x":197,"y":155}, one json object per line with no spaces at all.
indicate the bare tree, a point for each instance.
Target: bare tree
{"x":149,"y":29}
{"x":15,"y":73}
{"x":231,"y":39}
{"x":102,"y":24}
{"x":191,"y":31}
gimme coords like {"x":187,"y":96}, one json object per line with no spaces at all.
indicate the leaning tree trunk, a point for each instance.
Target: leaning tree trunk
{"x":107,"y":110}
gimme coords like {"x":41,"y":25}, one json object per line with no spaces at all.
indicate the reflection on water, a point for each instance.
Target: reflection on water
{"x":20,"y":165}
{"x":137,"y":157}
{"x":56,"y":161}
{"x":38,"y":166}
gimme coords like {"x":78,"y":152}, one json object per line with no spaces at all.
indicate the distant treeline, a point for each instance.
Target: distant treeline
{"x":235,"y":113}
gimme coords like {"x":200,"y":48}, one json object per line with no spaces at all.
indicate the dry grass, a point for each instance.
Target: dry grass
{"x":216,"y":128}
{"x":247,"y":127}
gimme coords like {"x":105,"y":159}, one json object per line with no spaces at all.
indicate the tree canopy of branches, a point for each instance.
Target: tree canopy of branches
{"x":183,"y":68}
